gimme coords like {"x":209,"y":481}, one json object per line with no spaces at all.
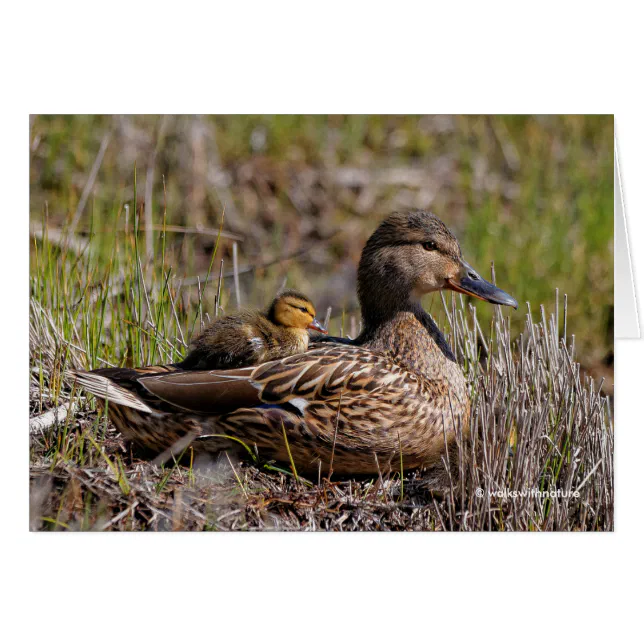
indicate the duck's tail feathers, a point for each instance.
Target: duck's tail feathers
{"x":105,"y":388}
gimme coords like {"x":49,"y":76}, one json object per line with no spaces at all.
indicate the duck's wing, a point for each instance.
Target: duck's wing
{"x":122,"y":386}
{"x":320,"y":374}
{"x":205,"y":392}
{"x":150,"y":389}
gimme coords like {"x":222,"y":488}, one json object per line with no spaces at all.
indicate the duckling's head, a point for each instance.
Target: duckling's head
{"x":293,"y":310}
{"x":413,"y":253}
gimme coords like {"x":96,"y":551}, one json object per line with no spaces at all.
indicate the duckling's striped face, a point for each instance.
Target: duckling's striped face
{"x":296,"y":312}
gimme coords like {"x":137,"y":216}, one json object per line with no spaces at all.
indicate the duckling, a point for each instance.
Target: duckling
{"x":252,"y":337}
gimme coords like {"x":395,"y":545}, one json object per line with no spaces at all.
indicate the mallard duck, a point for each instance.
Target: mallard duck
{"x":251,"y":337}
{"x":394,"y":394}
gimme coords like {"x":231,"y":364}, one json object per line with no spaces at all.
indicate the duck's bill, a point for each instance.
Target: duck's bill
{"x":316,"y":325}
{"x":482,"y":289}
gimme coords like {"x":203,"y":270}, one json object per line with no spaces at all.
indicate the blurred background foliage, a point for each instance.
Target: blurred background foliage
{"x":301,"y":194}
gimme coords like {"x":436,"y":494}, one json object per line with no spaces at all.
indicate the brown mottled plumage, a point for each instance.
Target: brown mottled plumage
{"x":251,"y":337}
{"x":396,"y":391}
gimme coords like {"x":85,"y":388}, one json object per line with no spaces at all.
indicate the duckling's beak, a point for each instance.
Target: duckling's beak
{"x":471,"y":283}
{"x":316,"y":325}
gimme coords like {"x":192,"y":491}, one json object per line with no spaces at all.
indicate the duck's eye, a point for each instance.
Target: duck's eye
{"x":430,"y":245}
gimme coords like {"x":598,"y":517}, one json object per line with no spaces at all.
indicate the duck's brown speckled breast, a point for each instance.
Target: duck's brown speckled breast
{"x":409,"y":342}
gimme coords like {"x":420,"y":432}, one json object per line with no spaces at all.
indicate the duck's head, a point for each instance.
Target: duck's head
{"x":295,"y":311}
{"x":411,"y":254}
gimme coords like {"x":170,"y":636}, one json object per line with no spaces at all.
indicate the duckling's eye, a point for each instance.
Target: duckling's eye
{"x":430,"y":245}
{"x":302,"y":309}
